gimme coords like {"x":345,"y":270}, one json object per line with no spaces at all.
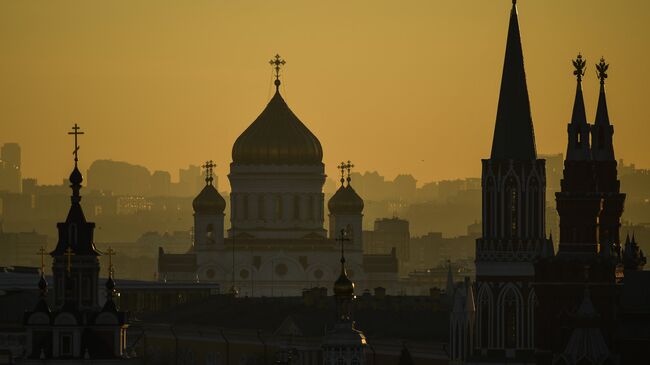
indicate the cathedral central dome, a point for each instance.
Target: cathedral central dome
{"x":277,"y":137}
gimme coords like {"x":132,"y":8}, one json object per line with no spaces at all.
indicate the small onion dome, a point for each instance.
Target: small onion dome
{"x":277,"y":137}
{"x":343,"y":286}
{"x":75,"y":177}
{"x":345,"y":201}
{"x":209,"y":201}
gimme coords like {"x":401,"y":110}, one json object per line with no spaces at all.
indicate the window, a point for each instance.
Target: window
{"x":512,"y":205}
{"x":65,"y":344}
{"x":311,"y":206}
{"x":510,"y":320}
{"x":209,"y":232}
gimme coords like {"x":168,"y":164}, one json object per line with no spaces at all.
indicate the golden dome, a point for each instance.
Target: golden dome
{"x":277,"y":137}
{"x":345,"y":201}
{"x":209,"y":201}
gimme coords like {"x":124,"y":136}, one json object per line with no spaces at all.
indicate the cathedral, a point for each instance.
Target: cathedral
{"x":531,"y":304}
{"x":277,"y":244}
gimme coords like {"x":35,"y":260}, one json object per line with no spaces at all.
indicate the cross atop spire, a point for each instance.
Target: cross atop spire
{"x":348,"y":167}
{"x":209,"y":165}
{"x":76,"y":132}
{"x":41,"y":252}
{"x":277,"y":62}
{"x":110,"y":252}
{"x":342,"y":238}
{"x":342,"y":167}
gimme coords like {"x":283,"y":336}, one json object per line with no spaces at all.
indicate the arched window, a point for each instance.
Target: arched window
{"x":312,"y":204}
{"x":489,"y":204}
{"x":534,"y":208}
{"x":484,"y":320}
{"x":245,"y":206}
{"x":209,"y":234}
{"x":510,"y":319}
{"x":512,"y":208}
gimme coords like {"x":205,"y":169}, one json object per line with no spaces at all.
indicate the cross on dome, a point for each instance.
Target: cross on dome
{"x":348,"y":167}
{"x":342,"y":167}
{"x":209,"y":166}
{"x":110,"y":252}
{"x":76,"y":132}
{"x":277,"y":62}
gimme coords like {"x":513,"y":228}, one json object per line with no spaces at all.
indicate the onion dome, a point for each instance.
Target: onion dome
{"x":277,"y":136}
{"x":209,"y":201}
{"x":343,"y":286}
{"x":345,"y":201}
{"x":75,"y":176}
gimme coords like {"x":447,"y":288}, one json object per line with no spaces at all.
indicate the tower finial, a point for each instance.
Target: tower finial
{"x":579,"y":65}
{"x":41,"y":252}
{"x":342,"y":238}
{"x":110,"y":252}
{"x":277,"y":62}
{"x":601,"y":69}
{"x":342,"y":167}
{"x":76,"y":133}
{"x":348,"y":167}
{"x":208,"y":166}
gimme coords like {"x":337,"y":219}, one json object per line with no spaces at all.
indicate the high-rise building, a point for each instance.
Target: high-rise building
{"x":10,"y":162}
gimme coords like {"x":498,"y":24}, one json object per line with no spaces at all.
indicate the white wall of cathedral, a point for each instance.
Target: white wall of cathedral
{"x":277,"y":201}
{"x":352,"y":224}
{"x":278,"y":272}
{"x":208,"y":231}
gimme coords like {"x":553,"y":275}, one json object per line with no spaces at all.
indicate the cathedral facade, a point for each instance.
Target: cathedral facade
{"x":276,"y":244}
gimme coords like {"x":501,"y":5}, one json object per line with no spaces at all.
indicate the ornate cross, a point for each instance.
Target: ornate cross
{"x":76,"y":133}
{"x":69,"y":254}
{"x":110,"y":252}
{"x":601,"y":69}
{"x":342,"y":167}
{"x":41,"y":252}
{"x":579,"y":65}
{"x":349,"y":166}
{"x":343,"y":237}
{"x":209,"y":165}
{"x":277,"y":63}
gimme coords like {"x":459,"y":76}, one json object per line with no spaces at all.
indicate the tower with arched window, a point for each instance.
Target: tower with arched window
{"x":514,"y":203}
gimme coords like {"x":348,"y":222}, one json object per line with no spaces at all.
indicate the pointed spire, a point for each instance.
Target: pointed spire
{"x":579,"y":116}
{"x":602,"y":116}
{"x":513,"y":132}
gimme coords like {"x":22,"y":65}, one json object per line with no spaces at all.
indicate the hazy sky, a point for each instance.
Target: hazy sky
{"x":395,"y":86}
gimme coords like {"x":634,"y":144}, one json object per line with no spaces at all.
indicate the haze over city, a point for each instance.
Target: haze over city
{"x":165,"y":84}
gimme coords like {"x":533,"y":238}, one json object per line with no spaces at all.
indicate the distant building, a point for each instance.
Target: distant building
{"x":10,"y":173}
{"x":389,"y":234}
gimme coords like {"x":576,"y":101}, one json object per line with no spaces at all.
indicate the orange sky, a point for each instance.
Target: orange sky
{"x":395,"y":86}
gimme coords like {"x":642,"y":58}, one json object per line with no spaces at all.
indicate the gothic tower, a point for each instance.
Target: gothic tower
{"x":589,"y":206}
{"x":514,"y":185}
{"x":607,"y":183}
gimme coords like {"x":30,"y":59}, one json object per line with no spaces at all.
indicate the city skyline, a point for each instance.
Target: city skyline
{"x":200,"y":90}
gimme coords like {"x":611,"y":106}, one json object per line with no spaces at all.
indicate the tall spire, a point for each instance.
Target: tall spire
{"x":513,"y":132}
{"x":578,"y":129}
{"x":602,"y":116}
{"x":602,"y":147}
